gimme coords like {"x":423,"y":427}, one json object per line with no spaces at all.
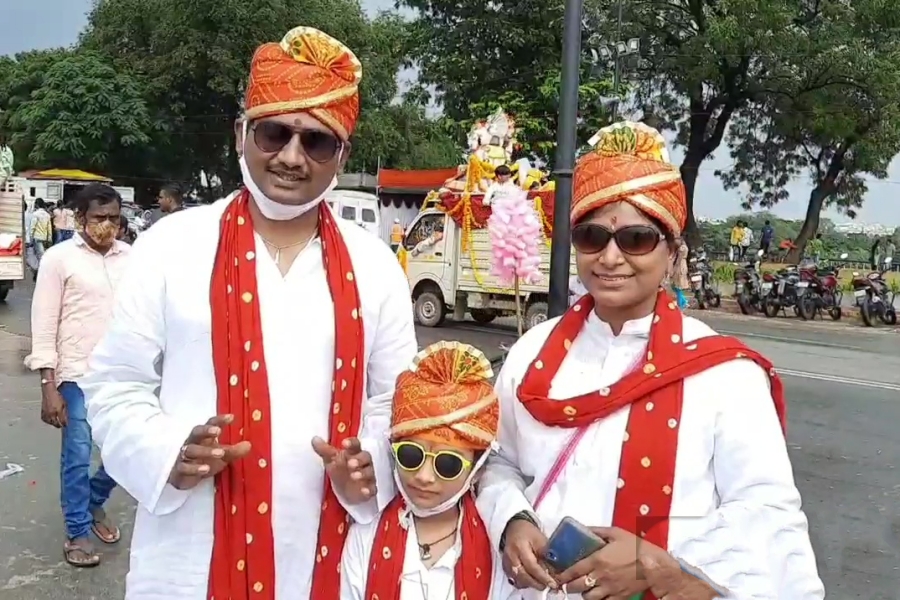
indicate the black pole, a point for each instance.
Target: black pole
{"x":617,"y":73}
{"x":565,"y":158}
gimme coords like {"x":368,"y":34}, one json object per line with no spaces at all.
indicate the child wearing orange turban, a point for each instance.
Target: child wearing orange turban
{"x":444,"y":422}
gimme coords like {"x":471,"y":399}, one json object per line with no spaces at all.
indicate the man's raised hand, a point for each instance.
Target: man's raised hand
{"x":349,"y":468}
{"x":202,"y":456}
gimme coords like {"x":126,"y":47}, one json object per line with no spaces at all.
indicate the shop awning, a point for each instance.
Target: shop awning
{"x":66,"y":174}
{"x":418,"y":181}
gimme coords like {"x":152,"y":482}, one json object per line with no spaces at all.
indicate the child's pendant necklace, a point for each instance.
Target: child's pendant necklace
{"x":425,"y":549}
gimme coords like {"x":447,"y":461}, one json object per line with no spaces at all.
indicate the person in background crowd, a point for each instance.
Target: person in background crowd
{"x":746,"y":240}
{"x":71,"y":308}
{"x":737,"y":235}
{"x":230,"y":314}
{"x":680,"y":283}
{"x":815,"y":248}
{"x":765,"y":239}
{"x":30,"y":256}
{"x":623,"y":397}
{"x":503,"y":184}
{"x":396,"y":235}
{"x":431,"y":537}
{"x":889,"y":251}
{"x":170,"y":199}
{"x":41,"y":229}
{"x":7,"y":159}
{"x":122,"y":235}
{"x":63,"y":223}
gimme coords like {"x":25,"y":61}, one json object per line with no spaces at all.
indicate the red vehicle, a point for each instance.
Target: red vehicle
{"x":822,"y":294}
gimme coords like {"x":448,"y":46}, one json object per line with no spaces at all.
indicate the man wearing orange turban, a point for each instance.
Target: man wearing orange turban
{"x":431,"y":538}
{"x":274,"y":335}
{"x":663,"y":437}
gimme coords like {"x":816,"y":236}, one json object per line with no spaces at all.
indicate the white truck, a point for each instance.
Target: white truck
{"x":447,"y":278}
{"x":12,"y":236}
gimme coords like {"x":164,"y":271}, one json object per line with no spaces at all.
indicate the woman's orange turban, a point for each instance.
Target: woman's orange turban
{"x":446,"y":396}
{"x":629,"y":163}
{"x":309,"y":71}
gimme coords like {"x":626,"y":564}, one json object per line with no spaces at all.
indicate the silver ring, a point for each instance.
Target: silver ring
{"x":181,"y":455}
{"x":515,"y":570}
{"x":590,"y":582}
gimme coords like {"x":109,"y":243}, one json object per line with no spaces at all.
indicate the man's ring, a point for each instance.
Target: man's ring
{"x":590,"y":582}
{"x":515,"y":570}
{"x":182,"y":456}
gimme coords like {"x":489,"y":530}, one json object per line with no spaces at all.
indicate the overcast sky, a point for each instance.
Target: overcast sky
{"x":47,"y":23}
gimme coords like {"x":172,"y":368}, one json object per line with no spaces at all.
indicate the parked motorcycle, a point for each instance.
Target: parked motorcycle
{"x":748,"y":288}
{"x":823,"y":294}
{"x":701,"y":281}
{"x":788,"y":285}
{"x":874,"y":298}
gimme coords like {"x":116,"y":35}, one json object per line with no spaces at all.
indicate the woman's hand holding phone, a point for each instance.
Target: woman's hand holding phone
{"x":525,"y":544}
{"x":611,"y":573}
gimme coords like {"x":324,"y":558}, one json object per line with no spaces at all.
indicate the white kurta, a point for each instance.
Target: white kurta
{"x":417,"y":582}
{"x":735,"y":509}
{"x":152,"y":380}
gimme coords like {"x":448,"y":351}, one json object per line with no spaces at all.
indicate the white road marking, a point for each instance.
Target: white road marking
{"x":836,"y":379}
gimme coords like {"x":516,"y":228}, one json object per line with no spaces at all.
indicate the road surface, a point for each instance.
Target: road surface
{"x":842,"y":386}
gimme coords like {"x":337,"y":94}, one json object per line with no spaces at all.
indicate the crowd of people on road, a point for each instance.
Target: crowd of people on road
{"x":251,"y":374}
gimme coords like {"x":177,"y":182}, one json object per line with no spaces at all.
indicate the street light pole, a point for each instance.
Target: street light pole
{"x":567,"y":127}
{"x":617,"y":73}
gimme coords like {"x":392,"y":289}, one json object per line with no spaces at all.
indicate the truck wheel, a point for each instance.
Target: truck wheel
{"x":4,"y":291}
{"x":430,"y":309}
{"x":535,"y":314}
{"x":482,"y":316}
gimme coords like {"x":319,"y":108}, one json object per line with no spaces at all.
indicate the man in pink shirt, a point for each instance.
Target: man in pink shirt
{"x":72,"y":305}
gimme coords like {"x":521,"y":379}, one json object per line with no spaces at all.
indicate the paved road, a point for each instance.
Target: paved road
{"x":842,"y":385}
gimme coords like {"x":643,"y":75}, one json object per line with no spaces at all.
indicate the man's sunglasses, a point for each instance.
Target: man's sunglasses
{"x":636,"y":240}
{"x":448,"y":465}
{"x":272,"y":136}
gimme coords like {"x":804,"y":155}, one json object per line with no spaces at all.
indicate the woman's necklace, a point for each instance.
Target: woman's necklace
{"x":278,"y":249}
{"x":425,"y":549}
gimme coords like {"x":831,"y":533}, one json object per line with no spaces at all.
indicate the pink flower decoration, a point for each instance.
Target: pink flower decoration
{"x":515,"y":232}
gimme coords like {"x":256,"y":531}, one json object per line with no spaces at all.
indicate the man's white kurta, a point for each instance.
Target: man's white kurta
{"x":735,"y":509}
{"x":152,"y":381}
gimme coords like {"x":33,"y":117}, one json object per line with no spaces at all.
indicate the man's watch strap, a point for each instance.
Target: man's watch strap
{"x":519,"y":516}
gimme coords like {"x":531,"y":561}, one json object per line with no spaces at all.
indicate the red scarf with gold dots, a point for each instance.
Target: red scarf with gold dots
{"x":654,"y":390}
{"x":474,"y":567}
{"x":243,"y":557}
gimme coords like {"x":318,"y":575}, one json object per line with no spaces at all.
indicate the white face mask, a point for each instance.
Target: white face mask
{"x":446,"y":505}
{"x":277,"y":211}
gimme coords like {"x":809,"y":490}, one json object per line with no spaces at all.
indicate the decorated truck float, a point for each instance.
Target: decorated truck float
{"x":448,"y":253}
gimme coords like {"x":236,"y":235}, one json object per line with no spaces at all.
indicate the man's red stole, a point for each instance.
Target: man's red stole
{"x":655,"y":392}
{"x":474,"y":568}
{"x":243,"y":557}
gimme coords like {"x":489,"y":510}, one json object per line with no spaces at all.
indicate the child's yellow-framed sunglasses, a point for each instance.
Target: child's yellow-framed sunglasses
{"x":447,"y":464}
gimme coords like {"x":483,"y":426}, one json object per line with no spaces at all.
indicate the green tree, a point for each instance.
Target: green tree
{"x":84,"y":114}
{"x":480,"y":55}
{"x":834,"y":132}
{"x":706,"y":61}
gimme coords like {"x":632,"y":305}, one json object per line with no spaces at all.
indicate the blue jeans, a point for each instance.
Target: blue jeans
{"x":61,"y":235}
{"x":80,"y":494}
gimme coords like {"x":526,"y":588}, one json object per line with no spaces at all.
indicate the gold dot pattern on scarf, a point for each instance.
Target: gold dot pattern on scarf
{"x":258,"y":587}
{"x":263,"y":508}
{"x":240,"y":220}
{"x":249,"y":538}
{"x":645,"y":462}
{"x":649,"y":368}
{"x":692,"y":347}
{"x":263,"y":464}
{"x":338,"y":364}
{"x":649,"y":406}
{"x":570,"y":411}
{"x":539,"y":365}
{"x":257,"y":415}
{"x":676,"y":338}
{"x":667,"y":490}
{"x":247,"y":297}
{"x":241,"y":564}
{"x":355,"y":314}
{"x":349,"y":275}
{"x":620,"y":483}
{"x":644,"y":509}
{"x":250,"y":255}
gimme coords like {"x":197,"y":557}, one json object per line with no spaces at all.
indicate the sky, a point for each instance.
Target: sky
{"x":38,"y":24}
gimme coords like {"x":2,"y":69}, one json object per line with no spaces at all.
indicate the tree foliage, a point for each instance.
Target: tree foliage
{"x":480,"y":55}
{"x":169,"y":76}
{"x":835,"y":120}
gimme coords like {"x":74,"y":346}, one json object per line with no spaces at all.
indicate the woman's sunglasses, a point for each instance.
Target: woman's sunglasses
{"x":271,"y":136}
{"x":636,"y":240}
{"x":448,"y":465}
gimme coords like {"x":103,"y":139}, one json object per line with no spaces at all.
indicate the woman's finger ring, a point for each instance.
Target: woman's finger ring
{"x":590,"y":582}
{"x":183,"y":455}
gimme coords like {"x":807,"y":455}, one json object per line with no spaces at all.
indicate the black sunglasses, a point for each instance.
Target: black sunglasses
{"x":636,"y":240}
{"x":448,"y":465}
{"x":272,"y":136}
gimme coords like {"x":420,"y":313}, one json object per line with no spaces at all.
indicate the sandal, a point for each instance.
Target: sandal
{"x":104,"y":529}
{"x":80,"y":554}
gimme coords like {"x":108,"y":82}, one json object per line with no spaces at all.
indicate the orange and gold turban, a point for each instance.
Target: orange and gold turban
{"x":629,"y":163}
{"x":446,"y":396}
{"x":308,"y":71}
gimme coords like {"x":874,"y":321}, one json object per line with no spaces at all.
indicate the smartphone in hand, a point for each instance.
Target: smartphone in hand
{"x":570,"y":543}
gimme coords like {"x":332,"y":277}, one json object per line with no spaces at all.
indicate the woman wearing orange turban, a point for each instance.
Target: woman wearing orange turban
{"x":430,"y":542}
{"x":664,"y":437}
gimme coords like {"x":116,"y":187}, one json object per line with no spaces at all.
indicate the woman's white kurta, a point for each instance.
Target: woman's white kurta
{"x":735,"y":509}
{"x":152,"y":381}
